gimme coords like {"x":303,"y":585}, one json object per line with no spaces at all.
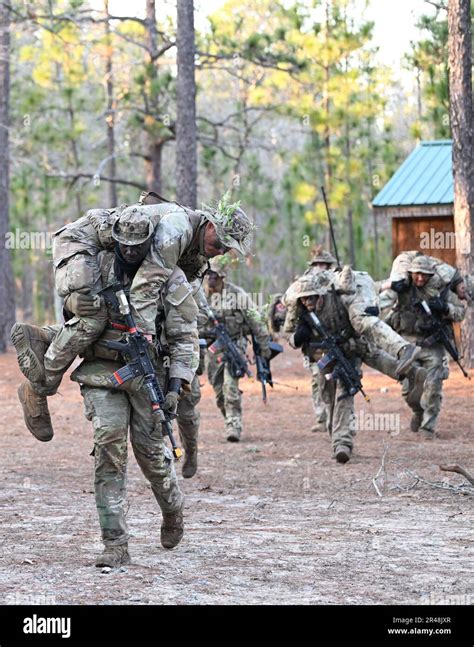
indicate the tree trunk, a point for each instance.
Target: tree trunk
{"x":461,"y":117}
{"x":153,"y":161}
{"x":186,"y":156}
{"x":110,"y":118}
{"x":7,"y":293}
{"x":27,"y":280}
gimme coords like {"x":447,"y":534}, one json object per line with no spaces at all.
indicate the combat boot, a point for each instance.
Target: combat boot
{"x":31,"y":343}
{"x":415,"y":422}
{"x":428,"y":434}
{"x":114,"y":556}
{"x":407,"y":356}
{"x":172,"y":528}
{"x":342,"y":453}
{"x":190,"y":463}
{"x":318,"y":426}
{"x":35,"y":412}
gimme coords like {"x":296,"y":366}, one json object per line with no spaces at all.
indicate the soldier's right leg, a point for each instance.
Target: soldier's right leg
{"x":157,"y":464}
{"x":341,"y":418}
{"x":318,"y":404}
{"x":233,"y":406}
{"x":64,"y":346}
{"x":109,"y":411}
{"x":73,"y":339}
{"x":343,"y":430}
{"x":188,"y":424}
{"x":30,"y":343}
{"x":215,"y":374}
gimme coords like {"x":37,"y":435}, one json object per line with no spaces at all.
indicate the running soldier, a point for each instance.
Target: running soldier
{"x":410,"y":319}
{"x":233,"y":307}
{"x":178,"y":234}
{"x":344,"y":303}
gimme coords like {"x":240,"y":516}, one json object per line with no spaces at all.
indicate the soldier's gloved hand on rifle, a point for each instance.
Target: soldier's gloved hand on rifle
{"x":303,"y":334}
{"x":399,"y":286}
{"x":85,"y":305}
{"x":437,"y":304}
{"x":171,"y":399}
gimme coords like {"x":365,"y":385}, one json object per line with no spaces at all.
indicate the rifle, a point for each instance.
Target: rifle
{"x":238,"y":365}
{"x":333,"y":238}
{"x":440,"y":335}
{"x":343,"y":369}
{"x":264,"y":374}
{"x":137,"y":349}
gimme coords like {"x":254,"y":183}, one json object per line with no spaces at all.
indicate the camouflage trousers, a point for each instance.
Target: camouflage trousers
{"x":340,"y":413}
{"x":318,"y":403}
{"x":428,"y":398}
{"x":228,"y":395}
{"x":113,"y":413}
{"x":69,"y":340}
{"x":189,"y":417}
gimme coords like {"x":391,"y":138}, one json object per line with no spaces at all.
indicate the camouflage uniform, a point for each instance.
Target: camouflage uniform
{"x":343,"y":313}
{"x":408,"y":319}
{"x":188,"y":415}
{"x":234,"y":308}
{"x":320,"y":256}
{"x":113,"y":411}
{"x":444,"y":275}
{"x":178,"y":236}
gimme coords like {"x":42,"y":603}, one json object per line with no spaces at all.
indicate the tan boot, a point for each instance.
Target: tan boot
{"x":35,"y":412}
{"x":190,"y":463}
{"x":172,"y":528}
{"x":319,"y":426}
{"x":114,"y":556}
{"x":31,"y":343}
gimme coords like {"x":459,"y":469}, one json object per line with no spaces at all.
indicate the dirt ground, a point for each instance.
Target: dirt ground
{"x":273,"y":519}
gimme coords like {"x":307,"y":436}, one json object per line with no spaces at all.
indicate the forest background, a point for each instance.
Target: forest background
{"x":291,"y":95}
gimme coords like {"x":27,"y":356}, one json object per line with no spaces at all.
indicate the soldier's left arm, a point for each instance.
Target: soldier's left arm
{"x":457,"y":308}
{"x":180,"y":327}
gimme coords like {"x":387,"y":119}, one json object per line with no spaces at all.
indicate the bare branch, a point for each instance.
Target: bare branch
{"x":77,"y":176}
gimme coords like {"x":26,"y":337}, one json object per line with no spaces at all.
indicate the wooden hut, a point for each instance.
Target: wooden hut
{"x":419,"y":202}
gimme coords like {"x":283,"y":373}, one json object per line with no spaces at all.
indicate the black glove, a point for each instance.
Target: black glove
{"x":399,"y":286}
{"x":439,"y":305}
{"x":303,"y":334}
{"x":373,"y":311}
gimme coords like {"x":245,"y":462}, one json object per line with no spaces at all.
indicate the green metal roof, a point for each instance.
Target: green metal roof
{"x":425,"y":177}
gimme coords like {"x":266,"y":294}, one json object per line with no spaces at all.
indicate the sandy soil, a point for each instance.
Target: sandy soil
{"x":273,"y":519}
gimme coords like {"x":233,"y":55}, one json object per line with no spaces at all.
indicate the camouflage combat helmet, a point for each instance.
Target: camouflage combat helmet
{"x":422,"y":264}
{"x":234,"y":227}
{"x":320,"y":255}
{"x":218,"y":265}
{"x":311,"y":285}
{"x":133,"y":227}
